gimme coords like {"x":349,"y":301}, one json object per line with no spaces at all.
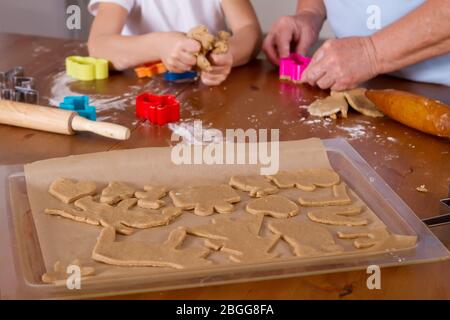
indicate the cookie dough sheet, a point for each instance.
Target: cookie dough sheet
{"x":64,"y":240}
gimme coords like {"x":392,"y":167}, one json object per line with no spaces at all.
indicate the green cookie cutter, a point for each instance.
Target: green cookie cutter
{"x":87,"y":68}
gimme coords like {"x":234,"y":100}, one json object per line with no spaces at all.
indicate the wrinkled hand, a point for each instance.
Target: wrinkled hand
{"x":221,"y":68}
{"x":300,"y":31}
{"x":342,"y":64}
{"x":177,"y":51}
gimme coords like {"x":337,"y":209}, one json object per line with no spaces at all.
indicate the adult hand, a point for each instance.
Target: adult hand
{"x":299,"y":31}
{"x":177,"y":51}
{"x":343,"y":64}
{"x":221,"y":67}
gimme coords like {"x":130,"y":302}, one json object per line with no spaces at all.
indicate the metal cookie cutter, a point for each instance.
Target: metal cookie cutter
{"x":444,"y":216}
{"x":14,"y":85}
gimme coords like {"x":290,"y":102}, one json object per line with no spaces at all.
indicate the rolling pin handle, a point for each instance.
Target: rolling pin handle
{"x":104,"y":129}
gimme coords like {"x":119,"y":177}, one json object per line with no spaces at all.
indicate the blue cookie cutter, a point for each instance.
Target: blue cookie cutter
{"x":79,"y":104}
{"x":181,"y":77}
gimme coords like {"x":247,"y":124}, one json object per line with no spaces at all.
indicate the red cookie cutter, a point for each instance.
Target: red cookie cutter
{"x":157,"y":109}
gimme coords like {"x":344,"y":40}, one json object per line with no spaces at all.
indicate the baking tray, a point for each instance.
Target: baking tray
{"x":22,"y":263}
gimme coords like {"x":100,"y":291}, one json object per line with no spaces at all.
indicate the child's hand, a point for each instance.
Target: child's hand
{"x":221,"y":68}
{"x":177,"y":51}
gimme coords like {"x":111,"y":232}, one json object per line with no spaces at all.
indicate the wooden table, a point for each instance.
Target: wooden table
{"x":252,"y":97}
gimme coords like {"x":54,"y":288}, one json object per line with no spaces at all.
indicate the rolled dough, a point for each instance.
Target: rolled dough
{"x":68,"y":190}
{"x":338,"y":216}
{"x":122,"y":218}
{"x":143,"y":254}
{"x":306,"y":179}
{"x":240,"y":238}
{"x":306,"y":238}
{"x":330,"y":105}
{"x":257,"y":186}
{"x":274,"y":205}
{"x":205,"y":199}
{"x":357,"y":100}
{"x":150,"y":198}
{"x":115,"y":192}
{"x":379,"y":239}
{"x":339,"y":197}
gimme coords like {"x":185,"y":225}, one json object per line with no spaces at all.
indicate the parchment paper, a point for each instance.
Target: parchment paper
{"x":64,"y":240}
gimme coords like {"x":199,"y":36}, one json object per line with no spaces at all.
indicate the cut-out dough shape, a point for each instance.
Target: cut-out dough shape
{"x":115,"y":192}
{"x":306,"y":238}
{"x":150,"y":198}
{"x":256,"y":186}
{"x":240,"y":238}
{"x":144,"y":254}
{"x":59,"y":272}
{"x":205,"y":199}
{"x":338,"y":198}
{"x":122,"y":217}
{"x":357,"y":100}
{"x":338,"y":216}
{"x":306,"y":179}
{"x":330,"y":105}
{"x":67,"y":190}
{"x":379,"y":239}
{"x":274,"y":206}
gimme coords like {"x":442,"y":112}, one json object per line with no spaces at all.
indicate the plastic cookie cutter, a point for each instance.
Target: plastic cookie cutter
{"x":157,"y":109}
{"x":149,"y":70}
{"x":292,"y":67}
{"x":189,"y":76}
{"x":87,"y":68}
{"x":15,"y":86}
{"x":79,"y":104}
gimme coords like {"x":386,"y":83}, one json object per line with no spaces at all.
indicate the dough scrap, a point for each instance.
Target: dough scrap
{"x":150,"y":198}
{"x":338,"y":216}
{"x":340,"y":197}
{"x":143,"y":254}
{"x":67,"y":190}
{"x":379,"y":239}
{"x":59,"y":272}
{"x":256,"y":185}
{"x":209,"y":44}
{"x":306,"y":179}
{"x":274,"y":205}
{"x":330,"y":105}
{"x":307,"y":239}
{"x":115,"y":192}
{"x":205,"y":199}
{"x":122,"y":218}
{"x":240,"y":238}
{"x":357,"y":100}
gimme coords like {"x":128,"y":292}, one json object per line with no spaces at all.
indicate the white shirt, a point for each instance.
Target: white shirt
{"x":145,"y":16}
{"x":350,"y":18}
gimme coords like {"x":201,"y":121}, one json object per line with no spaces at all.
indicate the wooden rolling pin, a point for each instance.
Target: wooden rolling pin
{"x":56,"y":120}
{"x":418,"y":112}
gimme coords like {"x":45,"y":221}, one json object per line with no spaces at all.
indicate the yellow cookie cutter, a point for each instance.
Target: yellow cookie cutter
{"x":87,"y":68}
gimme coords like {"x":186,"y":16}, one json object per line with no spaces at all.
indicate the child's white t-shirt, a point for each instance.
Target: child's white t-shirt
{"x":146,"y":16}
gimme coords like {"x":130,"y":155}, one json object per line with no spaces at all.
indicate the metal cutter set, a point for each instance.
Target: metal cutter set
{"x":14,"y":85}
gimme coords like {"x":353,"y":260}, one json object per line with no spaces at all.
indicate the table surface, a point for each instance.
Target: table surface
{"x":252,"y":97}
